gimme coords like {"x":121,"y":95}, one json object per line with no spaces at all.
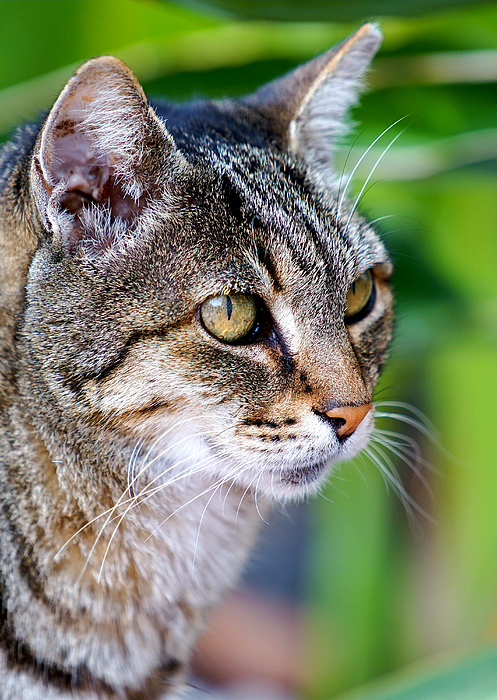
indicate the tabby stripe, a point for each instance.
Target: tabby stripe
{"x":267,"y":263}
{"x":75,"y":383}
{"x":21,"y":659}
{"x":28,"y":565}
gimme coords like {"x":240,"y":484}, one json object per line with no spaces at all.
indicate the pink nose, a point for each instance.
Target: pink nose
{"x":351,"y":416}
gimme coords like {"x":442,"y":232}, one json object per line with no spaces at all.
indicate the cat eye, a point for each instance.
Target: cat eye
{"x":229,"y":317}
{"x":360,"y":298}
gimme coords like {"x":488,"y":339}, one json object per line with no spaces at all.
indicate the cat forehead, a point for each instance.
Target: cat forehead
{"x":278,"y":213}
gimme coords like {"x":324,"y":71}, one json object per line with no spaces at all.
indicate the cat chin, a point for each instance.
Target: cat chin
{"x":297,"y":484}
{"x":287,"y":483}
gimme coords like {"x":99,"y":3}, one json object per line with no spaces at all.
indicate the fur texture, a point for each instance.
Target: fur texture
{"x":136,"y":447}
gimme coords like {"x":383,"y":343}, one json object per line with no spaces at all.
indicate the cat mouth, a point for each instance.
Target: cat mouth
{"x":304,"y":475}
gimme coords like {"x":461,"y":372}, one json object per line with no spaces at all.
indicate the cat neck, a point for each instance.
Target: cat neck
{"x":149,"y":567}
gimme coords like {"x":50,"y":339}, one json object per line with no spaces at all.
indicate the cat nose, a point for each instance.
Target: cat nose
{"x":348,"y":418}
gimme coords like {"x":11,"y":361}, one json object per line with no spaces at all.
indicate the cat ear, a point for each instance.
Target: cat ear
{"x":101,"y":153}
{"x":307,"y":108}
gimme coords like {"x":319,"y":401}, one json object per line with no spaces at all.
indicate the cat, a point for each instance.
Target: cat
{"x":193,"y":320}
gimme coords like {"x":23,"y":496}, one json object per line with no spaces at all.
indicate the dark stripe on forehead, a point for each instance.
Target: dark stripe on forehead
{"x":274,"y":189}
{"x":266,"y":261}
{"x":233,"y":198}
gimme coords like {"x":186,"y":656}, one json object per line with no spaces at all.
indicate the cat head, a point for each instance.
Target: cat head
{"x":201,"y":289}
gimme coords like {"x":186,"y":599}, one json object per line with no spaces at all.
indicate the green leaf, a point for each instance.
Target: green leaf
{"x":472,"y":679}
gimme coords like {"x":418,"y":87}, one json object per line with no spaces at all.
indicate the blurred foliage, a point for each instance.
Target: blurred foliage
{"x":391,"y":579}
{"x":468,"y":679}
{"x":321,"y":10}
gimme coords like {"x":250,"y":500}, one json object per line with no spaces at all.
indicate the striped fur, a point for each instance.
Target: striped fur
{"x":136,"y":449}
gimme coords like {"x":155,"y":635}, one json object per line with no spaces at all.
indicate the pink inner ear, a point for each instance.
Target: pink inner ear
{"x":92,"y":178}
{"x":74,"y":162}
{"x":88,"y":174}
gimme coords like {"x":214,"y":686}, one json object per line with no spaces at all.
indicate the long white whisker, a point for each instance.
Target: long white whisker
{"x":201,"y":466}
{"x":233,"y":482}
{"x":382,"y":461}
{"x":133,"y":501}
{"x":178,"y":424}
{"x":90,"y":522}
{"x":138,"y":503}
{"x":186,"y":459}
{"x":341,"y":182}
{"x":406,"y":458}
{"x":382,"y":218}
{"x":132,"y":462}
{"x":422,"y":417}
{"x":409,"y":421}
{"x":184,"y":505}
{"x":402,"y":442}
{"x":256,"y":499}
{"x":243,"y":496}
{"x":194,"y":559}
{"x":351,"y":176}
{"x":272,"y":491}
{"x":378,"y":161}
{"x":164,"y":452}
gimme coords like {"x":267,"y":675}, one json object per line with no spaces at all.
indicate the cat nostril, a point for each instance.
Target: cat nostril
{"x":347,"y":418}
{"x":338,"y":423}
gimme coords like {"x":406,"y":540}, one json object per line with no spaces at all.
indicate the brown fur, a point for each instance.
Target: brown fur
{"x":136,"y":447}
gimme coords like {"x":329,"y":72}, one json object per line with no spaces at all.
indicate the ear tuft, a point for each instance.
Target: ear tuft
{"x":101,"y":147}
{"x":306,"y":109}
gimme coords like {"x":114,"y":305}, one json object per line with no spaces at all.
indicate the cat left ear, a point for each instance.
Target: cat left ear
{"x":102,"y":151}
{"x":306,"y":109}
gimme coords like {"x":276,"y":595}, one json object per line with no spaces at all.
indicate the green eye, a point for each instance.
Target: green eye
{"x":360,"y":298}
{"x":229,"y":317}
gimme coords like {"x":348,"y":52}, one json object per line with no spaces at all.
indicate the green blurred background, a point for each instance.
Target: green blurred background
{"x":389,"y":583}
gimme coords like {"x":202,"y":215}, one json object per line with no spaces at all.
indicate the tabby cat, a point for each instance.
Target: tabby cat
{"x":193,"y":319}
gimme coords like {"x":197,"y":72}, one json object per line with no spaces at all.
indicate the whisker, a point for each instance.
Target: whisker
{"x":201,"y":466}
{"x":129,"y":489}
{"x":233,"y":482}
{"x":132,"y":461}
{"x":371,"y":172}
{"x":90,"y":522}
{"x":422,"y":417}
{"x":341,"y":182}
{"x":184,"y":505}
{"x":176,"y":464}
{"x":387,"y":468}
{"x":404,"y":442}
{"x":382,"y":218}
{"x":163,"y":435}
{"x":243,"y":496}
{"x":162,"y":454}
{"x":261,"y":474}
{"x":406,"y":458}
{"x":200,"y":524}
{"x":351,"y":176}
{"x":412,"y":422}
{"x":148,"y":492}
{"x":134,"y":500}
{"x":137,"y":503}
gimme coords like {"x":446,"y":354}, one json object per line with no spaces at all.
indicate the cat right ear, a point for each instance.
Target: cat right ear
{"x":306,"y":110}
{"x":102,"y":153}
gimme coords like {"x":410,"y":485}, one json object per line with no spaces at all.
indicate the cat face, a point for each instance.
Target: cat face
{"x":203,"y":292}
